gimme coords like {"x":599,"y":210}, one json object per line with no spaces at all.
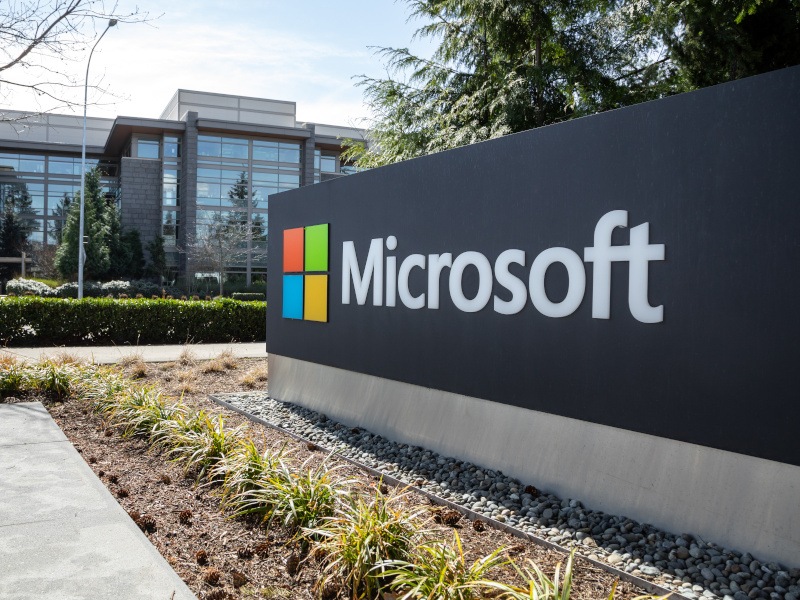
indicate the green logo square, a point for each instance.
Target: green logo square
{"x":316,"y":255}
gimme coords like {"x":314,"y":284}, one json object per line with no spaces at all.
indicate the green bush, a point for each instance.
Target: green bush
{"x":91,"y":289}
{"x":248,"y":296}
{"x":35,"y":321}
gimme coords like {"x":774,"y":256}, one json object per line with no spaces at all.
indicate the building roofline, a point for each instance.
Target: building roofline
{"x":39,"y":147}
{"x":250,"y":128}
{"x":179,"y":90}
{"x":123,"y":127}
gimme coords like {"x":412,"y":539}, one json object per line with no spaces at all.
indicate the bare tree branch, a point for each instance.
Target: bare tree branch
{"x":36,"y":34}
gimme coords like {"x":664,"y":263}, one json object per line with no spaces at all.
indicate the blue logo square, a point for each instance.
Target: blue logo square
{"x":292,"y":296}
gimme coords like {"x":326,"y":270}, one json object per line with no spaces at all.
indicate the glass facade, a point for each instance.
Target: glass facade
{"x":323,"y":163}
{"x":42,"y":188}
{"x":235,"y":178}
{"x":171,"y":196}
{"x":237,"y":170}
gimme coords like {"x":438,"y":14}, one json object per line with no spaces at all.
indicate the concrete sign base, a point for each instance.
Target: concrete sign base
{"x":738,"y":501}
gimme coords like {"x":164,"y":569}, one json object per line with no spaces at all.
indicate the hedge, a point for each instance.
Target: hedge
{"x":34,"y":321}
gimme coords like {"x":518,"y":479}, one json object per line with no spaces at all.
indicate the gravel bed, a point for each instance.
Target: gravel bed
{"x":684,"y":562}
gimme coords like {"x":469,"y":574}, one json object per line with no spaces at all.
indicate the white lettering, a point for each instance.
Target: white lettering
{"x":481,"y":299}
{"x":638,"y":254}
{"x":391,"y":273}
{"x":351,"y":272}
{"x":642,"y":252}
{"x":601,"y":256}
{"x":436,"y":262}
{"x":576,"y":287}
{"x":411,"y":261}
{"x":519,"y":293}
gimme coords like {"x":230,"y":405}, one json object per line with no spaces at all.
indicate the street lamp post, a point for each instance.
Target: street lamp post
{"x":81,"y":250}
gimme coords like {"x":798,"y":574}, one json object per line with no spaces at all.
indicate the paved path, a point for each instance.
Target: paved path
{"x":112,"y":354}
{"x":62,"y":534}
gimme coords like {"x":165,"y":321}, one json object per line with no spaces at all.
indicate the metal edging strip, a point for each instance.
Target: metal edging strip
{"x":646,"y":585}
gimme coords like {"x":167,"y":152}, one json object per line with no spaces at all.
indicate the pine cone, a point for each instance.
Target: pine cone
{"x":147,"y":523}
{"x":451,"y":517}
{"x":185,"y":517}
{"x":212,"y":576}
{"x":529,"y":489}
{"x":239,"y":579}
{"x":201,"y":556}
{"x":292,"y":564}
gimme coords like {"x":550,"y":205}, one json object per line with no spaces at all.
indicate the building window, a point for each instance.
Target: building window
{"x":169,"y":227}
{"x":281,"y":152}
{"x":172,"y":147}
{"x":323,"y":163}
{"x":147,"y":148}
{"x":171,"y":194}
{"x":328,"y":164}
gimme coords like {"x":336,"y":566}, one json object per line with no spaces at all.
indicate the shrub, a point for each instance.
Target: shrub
{"x":91,"y":289}
{"x":248,"y":296}
{"x":116,"y":287}
{"x":52,"y":321}
{"x":21,"y":287}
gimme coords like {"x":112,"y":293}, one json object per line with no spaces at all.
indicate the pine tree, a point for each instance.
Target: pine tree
{"x":503,"y":66}
{"x":714,"y":41}
{"x":56,"y":232}
{"x":157,"y":267}
{"x":131,"y":249}
{"x":98,"y":258}
{"x":16,"y":224}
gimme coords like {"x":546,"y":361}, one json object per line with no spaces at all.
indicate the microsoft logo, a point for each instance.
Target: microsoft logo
{"x":305,"y":290}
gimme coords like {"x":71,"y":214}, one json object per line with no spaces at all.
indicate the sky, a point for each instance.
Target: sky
{"x":306,"y":51}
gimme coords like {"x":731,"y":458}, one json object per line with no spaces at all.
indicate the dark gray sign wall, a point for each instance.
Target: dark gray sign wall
{"x":715,"y":173}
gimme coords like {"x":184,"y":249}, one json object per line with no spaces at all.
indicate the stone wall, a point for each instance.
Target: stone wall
{"x":140,"y":187}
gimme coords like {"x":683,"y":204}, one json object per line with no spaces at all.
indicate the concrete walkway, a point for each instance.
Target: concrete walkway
{"x":62,"y":534}
{"x":111,"y":354}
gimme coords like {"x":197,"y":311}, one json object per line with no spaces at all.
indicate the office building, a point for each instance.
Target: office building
{"x":209,"y":159}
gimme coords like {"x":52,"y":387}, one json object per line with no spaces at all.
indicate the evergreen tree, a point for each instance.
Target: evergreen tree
{"x":56,"y":232}
{"x":132,"y":264}
{"x":713,"y":41}
{"x":16,"y":224}
{"x":98,"y":258}
{"x":157,"y":267}
{"x":503,"y":66}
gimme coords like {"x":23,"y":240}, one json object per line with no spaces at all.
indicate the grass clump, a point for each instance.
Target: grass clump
{"x":244,"y":471}
{"x":187,"y":357}
{"x":12,"y":376}
{"x":440,"y":570}
{"x":228,"y":359}
{"x":539,"y":586}
{"x":361,"y":538}
{"x":200,"y":442}
{"x":254,"y":376}
{"x":297,"y":500}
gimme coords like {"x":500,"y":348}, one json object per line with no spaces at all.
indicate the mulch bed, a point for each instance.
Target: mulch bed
{"x":220,"y":557}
